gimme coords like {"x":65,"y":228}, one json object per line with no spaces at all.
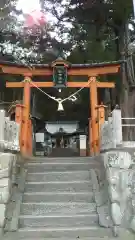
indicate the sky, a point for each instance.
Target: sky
{"x":28,"y":5}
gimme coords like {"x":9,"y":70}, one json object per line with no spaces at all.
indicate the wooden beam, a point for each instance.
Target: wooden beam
{"x":14,"y":84}
{"x":105,"y":84}
{"x":26,"y":71}
{"x":77,"y":84}
{"x":42,"y":84}
{"x":92,"y":71}
{"x":95,"y":71}
{"x":45,"y":84}
{"x":69,"y":84}
{"x":85,"y":84}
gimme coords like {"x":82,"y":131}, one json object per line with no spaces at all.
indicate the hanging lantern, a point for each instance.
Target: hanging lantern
{"x":60,"y":76}
{"x":60,"y":73}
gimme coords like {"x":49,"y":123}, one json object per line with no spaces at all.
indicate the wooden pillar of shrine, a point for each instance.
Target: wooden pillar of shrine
{"x":18,"y":119}
{"x":18,"y":113}
{"x":25,"y":116}
{"x":93,"y":123}
{"x":101,"y":118}
{"x":91,"y":149}
{"x":101,"y":115}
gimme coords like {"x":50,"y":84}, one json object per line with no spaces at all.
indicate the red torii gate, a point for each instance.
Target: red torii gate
{"x":92,"y":71}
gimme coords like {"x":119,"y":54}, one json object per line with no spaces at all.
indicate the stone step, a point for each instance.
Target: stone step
{"x":14,"y":236}
{"x":77,"y":232}
{"x":65,"y":159}
{"x":54,"y":208}
{"x":58,"y":221}
{"x":60,"y":160}
{"x":59,"y":176}
{"x":58,"y":197}
{"x":78,"y":186}
{"x":60,"y":166}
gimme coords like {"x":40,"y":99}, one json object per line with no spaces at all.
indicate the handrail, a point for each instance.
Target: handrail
{"x":128,"y":118}
{"x":128,"y":125}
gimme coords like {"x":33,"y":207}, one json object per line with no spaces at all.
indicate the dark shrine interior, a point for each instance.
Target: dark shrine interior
{"x":44,"y":109}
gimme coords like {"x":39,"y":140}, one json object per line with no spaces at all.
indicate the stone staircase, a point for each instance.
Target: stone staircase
{"x":58,"y":201}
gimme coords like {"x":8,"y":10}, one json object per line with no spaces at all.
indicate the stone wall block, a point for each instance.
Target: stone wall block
{"x":6,"y":161}
{"x":114,"y":195}
{"x":125,"y":178}
{"x":104,"y":216}
{"x":133,"y":178}
{"x":132,"y":224}
{"x":2,"y":215}
{"x":118,"y":159}
{"x":125,"y":185}
{"x":9,"y":133}
{"x":101,"y":197}
{"x":4,"y":195}
{"x":14,"y":170}
{"x":116,"y":213}
{"x":2,"y":127}
{"x":112,"y":175}
{"x":5,"y":190}
{"x":117,"y":125}
{"x":4,"y":173}
{"x":107,"y":140}
{"x":133,"y":205}
{"x":111,"y":131}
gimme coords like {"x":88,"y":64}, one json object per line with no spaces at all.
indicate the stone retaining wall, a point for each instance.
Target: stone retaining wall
{"x":100,"y":189}
{"x":9,"y":165}
{"x":10,"y":173}
{"x":118,"y":158}
{"x":111,"y":131}
{"x":7,"y":175}
{"x":120,"y":172}
{"x":114,"y":188}
{"x":9,"y":133}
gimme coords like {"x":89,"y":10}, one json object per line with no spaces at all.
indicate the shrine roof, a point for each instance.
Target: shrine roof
{"x":41,"y":66}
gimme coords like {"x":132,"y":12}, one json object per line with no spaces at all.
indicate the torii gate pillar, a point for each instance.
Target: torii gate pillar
{"x":25,"y":116}
{"x":93,"y":122}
